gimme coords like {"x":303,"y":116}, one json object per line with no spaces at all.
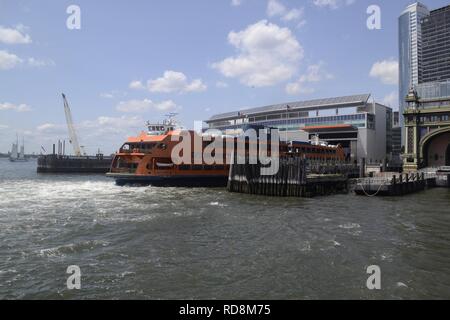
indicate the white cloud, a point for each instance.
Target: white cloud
{"x":276,"y":8}
{"x":3,"y":126}
{"x":221,"y":84}
{"x":8,"y":60}
{"x":293,"y":14}
{"x":173,"y":81}
{"x":136,"y":85}
{"x":15,"y":107}
{"x":266,"y":55}
{"x":333,"y":4}
{"x":195,"y":86}
{"x":391,"y":99}
{"x":111,"y":129}
{"x":51,"y":128}
{"x":386,"y":71}
{"x":107,"y":95}
{"x":236,"y":3}
{"x":145,"y":105}
{"x":301,"y":24}
{"x":32,"y":62}
{"x":113,"y":94}
{"x":315,"y":73}
{"x":113,"y":124}
{"x":14,"y":36}
{"x":101,"y":124}
{"x":295,"y":88}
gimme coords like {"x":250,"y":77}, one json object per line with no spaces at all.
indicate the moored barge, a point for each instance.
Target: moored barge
{"x":54,"y":163}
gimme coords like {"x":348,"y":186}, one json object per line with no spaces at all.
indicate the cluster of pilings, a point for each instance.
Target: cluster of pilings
{"x":293,"y":179}
{"x":325,"y":184}
{"x":290,"y":180}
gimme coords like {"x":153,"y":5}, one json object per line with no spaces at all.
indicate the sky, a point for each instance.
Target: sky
{"x":133,"y":61}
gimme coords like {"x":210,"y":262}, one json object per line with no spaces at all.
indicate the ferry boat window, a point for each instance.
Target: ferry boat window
{"x":148,"y":146}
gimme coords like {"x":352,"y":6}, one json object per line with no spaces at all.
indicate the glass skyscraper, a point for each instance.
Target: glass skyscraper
{"x":436,"y":45}
{"x":410,"y":51}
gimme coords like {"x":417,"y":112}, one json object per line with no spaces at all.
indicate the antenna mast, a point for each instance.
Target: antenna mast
{"x":72,"y":134}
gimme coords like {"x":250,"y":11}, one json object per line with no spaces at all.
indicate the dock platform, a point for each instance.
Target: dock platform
{"x":395,"y":184}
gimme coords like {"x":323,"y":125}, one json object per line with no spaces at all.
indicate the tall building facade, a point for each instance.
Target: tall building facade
{"x":436,"y":46}
{"x":410,"y":51}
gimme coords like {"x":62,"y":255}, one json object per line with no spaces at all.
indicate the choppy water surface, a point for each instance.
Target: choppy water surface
{"x":159,"y":243}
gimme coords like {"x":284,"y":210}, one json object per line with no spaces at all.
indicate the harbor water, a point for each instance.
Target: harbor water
{"x":180,"y":243}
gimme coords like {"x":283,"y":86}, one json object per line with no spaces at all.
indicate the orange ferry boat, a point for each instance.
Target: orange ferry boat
{"x":147,"y":158}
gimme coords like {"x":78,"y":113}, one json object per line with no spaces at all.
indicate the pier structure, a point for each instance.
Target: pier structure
{"x":296,"y":177}
{"x":394,"y":184}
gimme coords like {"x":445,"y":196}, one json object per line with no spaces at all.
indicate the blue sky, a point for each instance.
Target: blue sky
{"x":133,"y":61}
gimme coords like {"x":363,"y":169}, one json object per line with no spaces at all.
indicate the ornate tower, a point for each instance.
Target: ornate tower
{"x":411,"y":155}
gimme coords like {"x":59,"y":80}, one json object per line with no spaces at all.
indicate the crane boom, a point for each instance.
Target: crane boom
{"x":72,"y":133}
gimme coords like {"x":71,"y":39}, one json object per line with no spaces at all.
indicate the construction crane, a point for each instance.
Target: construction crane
{"x":72,"y":133}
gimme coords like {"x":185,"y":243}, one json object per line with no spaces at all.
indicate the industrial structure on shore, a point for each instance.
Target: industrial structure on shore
{"x":59,"y":162}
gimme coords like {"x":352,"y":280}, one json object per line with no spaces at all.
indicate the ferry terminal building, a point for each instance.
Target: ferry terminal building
{"x":360,"y":125}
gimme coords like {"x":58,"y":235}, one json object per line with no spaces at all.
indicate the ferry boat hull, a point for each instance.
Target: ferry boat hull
{"x":188,"y":181}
